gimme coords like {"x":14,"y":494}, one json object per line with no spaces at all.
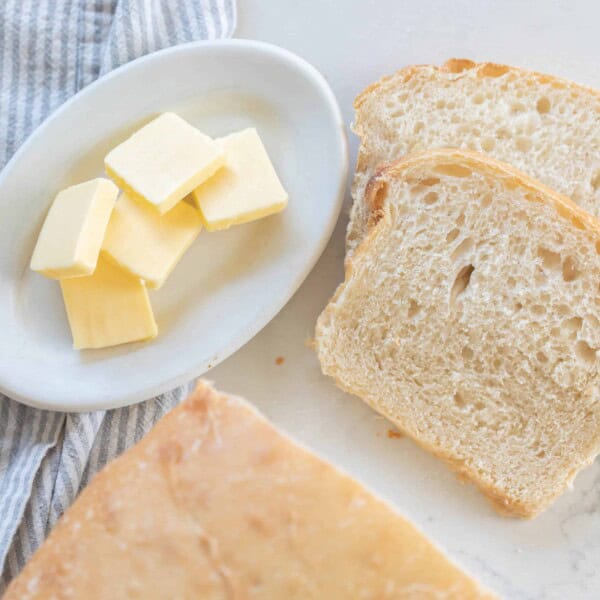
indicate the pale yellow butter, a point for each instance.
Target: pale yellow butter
{"x":147,"y":244}
{"x":107,"y":308}
{"x":72,"y":234}
{"x":245,"y":189}
{"x":163,"y":161}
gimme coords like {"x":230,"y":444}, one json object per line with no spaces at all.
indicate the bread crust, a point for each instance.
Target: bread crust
{"x":453,"y":70}
{"x":215,"y":502}
{"x":484,"y":164}
{"x":537,"y":192}
{"x":459,"y":66}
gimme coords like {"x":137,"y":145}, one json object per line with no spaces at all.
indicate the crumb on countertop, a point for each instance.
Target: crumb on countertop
{"x":393,"y":433}
{"x":279,"y":360}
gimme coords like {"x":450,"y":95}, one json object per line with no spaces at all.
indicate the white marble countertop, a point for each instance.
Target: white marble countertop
{"x":353,"y":42}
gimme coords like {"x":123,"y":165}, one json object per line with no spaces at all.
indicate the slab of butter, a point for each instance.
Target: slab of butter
{"x":107,"y":308}
{"x":163,"y":161}
{"x":245,"y":189}
{"x":147,"y":244}
{"x":72,"y":234}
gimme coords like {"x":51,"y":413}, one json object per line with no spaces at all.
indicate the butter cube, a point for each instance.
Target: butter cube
{"x":163,"y":161}
{"x":147,"y":244}
{"x":72,"y":234}
{"x":245,"y":189}
{"x":107,"y":308}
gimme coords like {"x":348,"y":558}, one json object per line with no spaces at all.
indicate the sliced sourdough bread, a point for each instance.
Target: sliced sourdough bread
{"x":546,"y":127}
{"x":470,"y":317}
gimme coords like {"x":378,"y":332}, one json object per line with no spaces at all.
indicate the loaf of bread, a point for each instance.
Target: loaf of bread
{"x":215,"y":503}
{"x":470,"y":317}
{"x":546,"y":127}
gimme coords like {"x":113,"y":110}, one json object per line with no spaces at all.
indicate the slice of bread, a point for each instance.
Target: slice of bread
{"x":470,"y":317}
{"x":546,"y":127}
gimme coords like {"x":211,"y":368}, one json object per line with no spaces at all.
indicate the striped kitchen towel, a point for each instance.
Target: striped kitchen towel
{"x":50,"y":49}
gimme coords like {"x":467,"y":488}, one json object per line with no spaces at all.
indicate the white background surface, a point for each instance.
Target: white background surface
{"x":554,"y":556}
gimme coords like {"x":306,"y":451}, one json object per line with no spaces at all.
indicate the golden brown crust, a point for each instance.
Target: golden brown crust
{"x":484,"y":164}
{"x":458,"y":66}
{"x":216,"y":503}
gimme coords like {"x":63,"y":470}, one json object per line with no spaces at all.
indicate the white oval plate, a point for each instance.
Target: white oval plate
{"x":230,"y":284}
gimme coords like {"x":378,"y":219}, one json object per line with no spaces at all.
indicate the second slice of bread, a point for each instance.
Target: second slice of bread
{"x":470,"y":317}
{"x":547,"y":127}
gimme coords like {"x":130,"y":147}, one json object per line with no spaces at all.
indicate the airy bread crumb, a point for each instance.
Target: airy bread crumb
{"x":547,"y":127}
{"x":470,"y":318}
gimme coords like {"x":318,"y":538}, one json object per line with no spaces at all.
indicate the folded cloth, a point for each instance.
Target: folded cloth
{"x":50,"y":49}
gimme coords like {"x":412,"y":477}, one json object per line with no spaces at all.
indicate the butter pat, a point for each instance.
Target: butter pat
{"x":245,"y":189}
{"x":72,"y":234}
{"x":163,"y":161}
{"x":147,"y":244}
{"x":107,"y":308}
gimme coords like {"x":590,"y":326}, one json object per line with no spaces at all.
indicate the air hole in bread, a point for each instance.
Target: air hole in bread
{"x":596,"y":181}
{"x":453,"y":170}
{"x":517,"y":107}
{"x":487,"y":144}
{"x":478,"y":99}
{"x":440,"y":104}
{"x":462,"y":249}
{"x":452,"y":235}
{"x":419,"y":125}
{"x":572,"y":325}
{"x":430,"y":198}
{"x":497,"y":363}
{"x":461,"y":283}
{"x":518,"y":306}
{"x":551,"y":261}
{"x":541,"y":357}
{"x":569,"y":270}
{"x":459,"y":400}
{"x":598,"y":247}
{"x":413,"y":309}
{"x":523,"y":144}
{"x":378,"y":197}
{"x":543,"y":105}
{"x":585,"y":352}
{"x":538,"y":309}
{"x":460,"y":220}
{"x":503,"y":133}
{"x":430,"y":181}
{"x":467,"y":353}
{"x":563,"y":310}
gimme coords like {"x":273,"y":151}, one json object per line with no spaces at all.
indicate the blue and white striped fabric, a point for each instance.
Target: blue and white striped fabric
{"x":50,"y":49}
